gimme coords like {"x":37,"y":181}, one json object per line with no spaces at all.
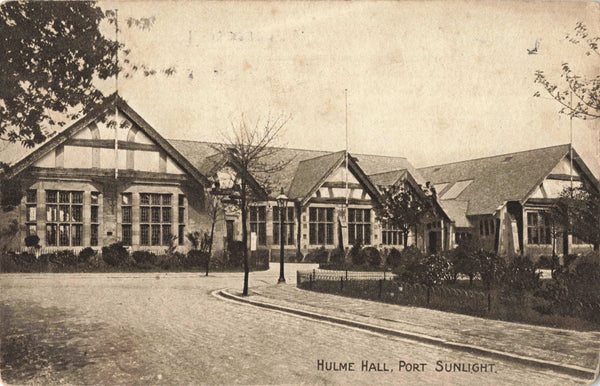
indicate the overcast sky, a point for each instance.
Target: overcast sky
{"x":431,"y":81}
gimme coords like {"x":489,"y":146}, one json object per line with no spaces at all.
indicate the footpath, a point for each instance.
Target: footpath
{"x":571,"y":352}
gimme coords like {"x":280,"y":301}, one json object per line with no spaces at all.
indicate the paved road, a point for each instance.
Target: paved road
{"x":169,"y":329}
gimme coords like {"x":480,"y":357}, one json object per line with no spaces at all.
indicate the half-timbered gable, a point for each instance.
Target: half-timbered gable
{"x":92,"y":185}
{"x":504,"y":200}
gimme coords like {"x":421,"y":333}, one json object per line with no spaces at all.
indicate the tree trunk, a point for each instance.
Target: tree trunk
{"x":565,"y":245}
{"x":245,"y":238}
{"x":405,"y":239}
{"x":212,"y":233}
{"x":471,"y":280}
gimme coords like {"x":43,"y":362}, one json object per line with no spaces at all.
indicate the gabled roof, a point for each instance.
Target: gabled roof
{"x":397,"y":177}
{"x":377,"y":164}
{"x":389,"y":178}
{"x":296,"y":177}
{"x":501,"y":178}
{"x":312,"y":172}
{"x":110,"y":102}
{"x":456,"y":210}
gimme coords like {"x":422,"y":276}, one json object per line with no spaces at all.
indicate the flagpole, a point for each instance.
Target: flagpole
{"x":571,"y":142}
{"x":117,"y":93}
{"x":346,"y":174}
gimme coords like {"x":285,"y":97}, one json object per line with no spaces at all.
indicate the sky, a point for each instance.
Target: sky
{"x":435,"y":82}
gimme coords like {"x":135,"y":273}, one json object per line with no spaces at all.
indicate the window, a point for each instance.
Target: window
{"x":31,"y":209}
{"x":155,"y":219}
{"x":181,"y":219}
{"x":455,"y":190}
{"x":320,"y":226}
{"x":462,"y":236}
{"x":391,"y":235}
{"x":577,"y":240}
{"x":538,"y":228}
{"x":126,"y":213}
{"x":359,"y":226}
{"x":288,"y":225}
{"x":258,"y":223}
{"x":64,"y":218}
{"x":94,"y":205}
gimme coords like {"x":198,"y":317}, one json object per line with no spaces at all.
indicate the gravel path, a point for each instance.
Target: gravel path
{"x":168,"y":329}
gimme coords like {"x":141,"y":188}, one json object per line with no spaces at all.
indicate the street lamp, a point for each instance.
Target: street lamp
{"x":282,"y":201}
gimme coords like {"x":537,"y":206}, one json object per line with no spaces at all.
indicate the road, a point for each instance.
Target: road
{"x":167,"y":328}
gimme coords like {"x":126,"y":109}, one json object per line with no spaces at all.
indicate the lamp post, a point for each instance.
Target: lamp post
{"x":282,"y":201}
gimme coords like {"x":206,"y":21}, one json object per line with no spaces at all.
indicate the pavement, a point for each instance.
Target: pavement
{"x":566,"y":351}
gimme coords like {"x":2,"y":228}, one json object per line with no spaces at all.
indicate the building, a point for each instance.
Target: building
{"x":503,"y":199}
{"x":319,"y":187}
{"x":82,"y":188}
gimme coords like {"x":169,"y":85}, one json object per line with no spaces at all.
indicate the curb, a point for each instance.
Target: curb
{"x":575,"y":371}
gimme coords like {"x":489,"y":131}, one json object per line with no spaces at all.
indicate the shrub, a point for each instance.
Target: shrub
{"x":429,"y":271}
{"x":356,"y":256}
{"x":8,"y":263}
{"x":464,"y":258}
{"x":171,"y":261}
{"x":394,"y":258}
{"x":520,"y":275}
{"x":236,"y":254}
{"x":196,"y":258}
{"x":218,"y":260}
{"x":548,"y":262}
{"x":491,"y":268}
{"x":32,"y":241}
{"x":371,"y":256}
{"x":115,"y":254}
{"x":144,"y":258}
{"x":298,"y":257}
{"x":64,"y":258}
{"x":27,"y":258}
{"x":194,"y":238}
{"x":259,"y":260}
{"x":337,"y":256}
{"x":44,"y":259}
{"x":411,"y":253}
{"x":569,"y":259}
{"x":319,"y":255}
{"x":574,"y":289}
{"x":85,"y":254}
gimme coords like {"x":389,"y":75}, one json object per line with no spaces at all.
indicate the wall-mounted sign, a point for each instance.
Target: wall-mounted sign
{"x":253,"y":241}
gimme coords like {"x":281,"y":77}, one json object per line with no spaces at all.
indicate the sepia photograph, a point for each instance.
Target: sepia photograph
{"x":299,"y":192}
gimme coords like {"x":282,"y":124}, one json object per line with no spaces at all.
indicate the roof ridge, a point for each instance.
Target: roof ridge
{"x":320,"y":156}
{"x":273,"y":147}
{"x":492,"y":156}
{"x":389,"y":171}
{"x":302,"y":149}
{"x":377,"y":155}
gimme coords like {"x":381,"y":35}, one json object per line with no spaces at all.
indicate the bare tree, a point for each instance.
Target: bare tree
{"x":213,"y":205}
{"x":249,"y":150}
{"x":578,"y":95}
